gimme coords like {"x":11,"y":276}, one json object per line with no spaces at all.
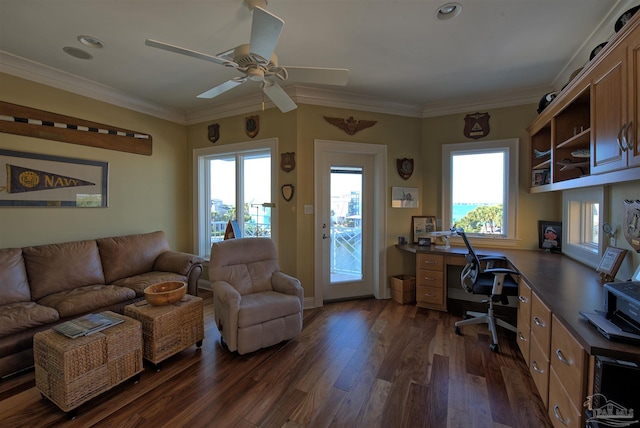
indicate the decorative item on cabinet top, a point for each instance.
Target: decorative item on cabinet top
{"x":546,"y":100}
{"x":625,"y":17}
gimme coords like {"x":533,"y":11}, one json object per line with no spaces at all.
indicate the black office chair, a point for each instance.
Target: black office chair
{"x":495,"y":282}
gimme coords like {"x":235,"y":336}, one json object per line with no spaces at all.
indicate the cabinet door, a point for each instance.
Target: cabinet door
{"x":633,"y":132}
{"x":609,"y":111}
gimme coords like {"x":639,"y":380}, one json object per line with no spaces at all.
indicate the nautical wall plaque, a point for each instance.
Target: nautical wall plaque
{"x":632,"y":223}
{"x":288,"y":161}
{"x":405,"y":168}
{"x":214,"y":132}
{"x":252,"y":125}
{"x":350,"y":125}
{"x":21,"y":120}
{"x":476,"y":125}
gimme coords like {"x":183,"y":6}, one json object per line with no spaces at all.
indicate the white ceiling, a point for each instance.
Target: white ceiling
{"x":400,"y":58}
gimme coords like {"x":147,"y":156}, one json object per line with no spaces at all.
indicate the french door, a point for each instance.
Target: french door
{"x":349,"y":209}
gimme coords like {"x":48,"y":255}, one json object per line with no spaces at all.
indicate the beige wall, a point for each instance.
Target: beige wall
{"x":146,"y":193}
{"x":149,"y":193}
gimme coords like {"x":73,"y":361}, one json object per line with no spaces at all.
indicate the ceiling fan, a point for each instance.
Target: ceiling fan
{"x":258,"y":63}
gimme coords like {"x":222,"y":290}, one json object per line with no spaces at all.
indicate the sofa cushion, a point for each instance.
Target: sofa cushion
{"x":86,"y":299}
{"x":130,"y":255}
{"x":139,"y":282}
{"x":16,"y":317}
{"x":257,"y":308}
{"x":58,"y":267}
{"x":14,"y":286}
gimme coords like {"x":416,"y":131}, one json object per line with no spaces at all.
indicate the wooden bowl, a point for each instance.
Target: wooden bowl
{"x":165,"y":293}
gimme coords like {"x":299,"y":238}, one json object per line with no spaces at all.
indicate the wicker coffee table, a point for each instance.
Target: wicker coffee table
{"x":70,"y":372}
{"x":169,"y":329}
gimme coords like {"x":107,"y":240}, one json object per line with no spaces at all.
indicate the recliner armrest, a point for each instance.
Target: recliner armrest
{"x":224,"y":292}
{"x":283,"y":283}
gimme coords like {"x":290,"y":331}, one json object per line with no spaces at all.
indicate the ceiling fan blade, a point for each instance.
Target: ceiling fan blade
{"x":325,"y":76}
{"x":188,"y":52}
{"x":265,"y":32}
{"x":279,"y":97}
{"x":221,"y":88}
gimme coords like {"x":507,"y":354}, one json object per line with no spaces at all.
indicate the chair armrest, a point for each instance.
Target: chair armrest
{"x":283,"y":283}
{"x":172,"y":261}
{"x":226,"y":306}
{"x":497,"y":271}
{"x":493,"y":258}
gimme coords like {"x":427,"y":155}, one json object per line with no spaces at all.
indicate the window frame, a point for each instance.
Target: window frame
{"x":201,"y":187}
{"x":576,"y":223}
{"x":511,"y":148}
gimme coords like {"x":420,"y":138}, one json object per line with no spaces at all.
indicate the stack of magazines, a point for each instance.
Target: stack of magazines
{"x":87,"y":324}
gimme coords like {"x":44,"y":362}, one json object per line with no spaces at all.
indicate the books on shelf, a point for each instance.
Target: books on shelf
{"x":87,"y":324}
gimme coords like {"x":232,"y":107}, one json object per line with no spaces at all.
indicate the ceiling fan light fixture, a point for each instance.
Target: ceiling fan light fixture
{"x":91,"y":42}
{"x":448,"y":11}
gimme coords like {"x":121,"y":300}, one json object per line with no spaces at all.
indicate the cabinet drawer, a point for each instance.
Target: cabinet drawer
{"x":569,"y":360}
{"x":430,"y":278}
{"x":541,"y":323}
{"x":539,"y":369}
{"x":430,"y":262}
{"x":430,"y":295}
{"x":561,"y":410}
{"x":524,"y":319}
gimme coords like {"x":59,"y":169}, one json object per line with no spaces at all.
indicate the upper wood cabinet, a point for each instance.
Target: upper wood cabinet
{"x":589,"y":134}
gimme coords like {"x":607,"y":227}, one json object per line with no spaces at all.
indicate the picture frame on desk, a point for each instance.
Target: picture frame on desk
{"x":421,"y":226}
{"x":550,"y":235}
{"x":610,"y":263}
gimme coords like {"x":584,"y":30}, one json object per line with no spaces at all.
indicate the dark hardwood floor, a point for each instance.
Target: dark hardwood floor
{"x":362,"y":363}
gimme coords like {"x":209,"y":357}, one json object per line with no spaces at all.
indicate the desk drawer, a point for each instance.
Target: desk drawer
{"x":539,"y":369}
{"x":541,"y":323}
{"x":569,"y":360}
{"x":430,"y":278}
{"x":430,"y":295}
{"x":561,"y":410}
{"x":430,"y":262}
{"x":524,"y":319}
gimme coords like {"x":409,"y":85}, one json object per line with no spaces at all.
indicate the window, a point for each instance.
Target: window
{"x":480,"y":187}
{"x":583,"y":215}
{"x":234,"y":182}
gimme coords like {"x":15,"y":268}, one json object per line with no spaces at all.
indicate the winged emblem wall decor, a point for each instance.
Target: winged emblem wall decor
{"x":350,"y":125}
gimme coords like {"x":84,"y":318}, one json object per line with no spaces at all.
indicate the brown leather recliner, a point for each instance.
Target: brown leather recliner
{"x":255,"y":304}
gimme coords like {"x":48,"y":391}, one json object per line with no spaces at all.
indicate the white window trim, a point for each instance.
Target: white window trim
{"x":201,"y":187}
{"x":597,"y":194}
{"x":511,"y":198}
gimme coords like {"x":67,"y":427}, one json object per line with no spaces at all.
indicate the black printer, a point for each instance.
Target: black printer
{"x":620,"y":319}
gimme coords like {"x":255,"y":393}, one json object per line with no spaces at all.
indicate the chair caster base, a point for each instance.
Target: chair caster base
{"x":494,"y":347}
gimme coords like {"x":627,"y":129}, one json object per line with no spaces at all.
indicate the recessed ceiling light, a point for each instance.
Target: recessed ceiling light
{"x":77,"y":53}
{"x":448,"y":11}
{"x":91,"y":42}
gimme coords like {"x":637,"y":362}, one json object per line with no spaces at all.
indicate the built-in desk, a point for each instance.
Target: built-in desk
{"x":561,"y":359}
{"x":563,"y":284}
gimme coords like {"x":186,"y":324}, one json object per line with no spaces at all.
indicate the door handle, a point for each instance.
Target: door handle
{"x":629,"y":140}
{"x":622,"y":139}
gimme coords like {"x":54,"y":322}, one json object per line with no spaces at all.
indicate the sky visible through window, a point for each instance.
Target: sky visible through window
{"x":478,"y":179}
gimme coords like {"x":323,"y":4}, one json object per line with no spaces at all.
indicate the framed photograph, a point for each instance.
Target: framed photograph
{"x":610,"y":263}
{"x":421,"y":226}
{"x":539,"y":177}
{"x":37,"y":180}
{"x":404,"y":197}
{"x":550,"y":235}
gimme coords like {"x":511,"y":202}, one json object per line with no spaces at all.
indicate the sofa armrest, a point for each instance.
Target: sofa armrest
{"x":185,"y":264}
{"x":226,"y":307}
{"x":283,"y":283}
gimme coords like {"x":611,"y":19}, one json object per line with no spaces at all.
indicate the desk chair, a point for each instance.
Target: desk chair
{"x":495,"y":282}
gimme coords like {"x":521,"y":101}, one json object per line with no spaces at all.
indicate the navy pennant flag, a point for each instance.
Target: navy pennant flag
{"x":21,"y":179}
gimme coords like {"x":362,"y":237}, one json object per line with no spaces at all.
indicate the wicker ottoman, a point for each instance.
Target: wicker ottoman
{"x":70,"y":372}
{"x":169,"y":329}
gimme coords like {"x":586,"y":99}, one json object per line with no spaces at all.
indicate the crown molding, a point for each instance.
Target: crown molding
{"x":39,"y":73}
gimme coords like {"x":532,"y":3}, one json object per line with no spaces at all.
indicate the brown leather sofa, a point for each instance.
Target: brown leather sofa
{"x":44,"y":285}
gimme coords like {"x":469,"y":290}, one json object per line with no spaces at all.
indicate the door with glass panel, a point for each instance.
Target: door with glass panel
{"x":240,"y":187}
{"x":347,"y":226}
